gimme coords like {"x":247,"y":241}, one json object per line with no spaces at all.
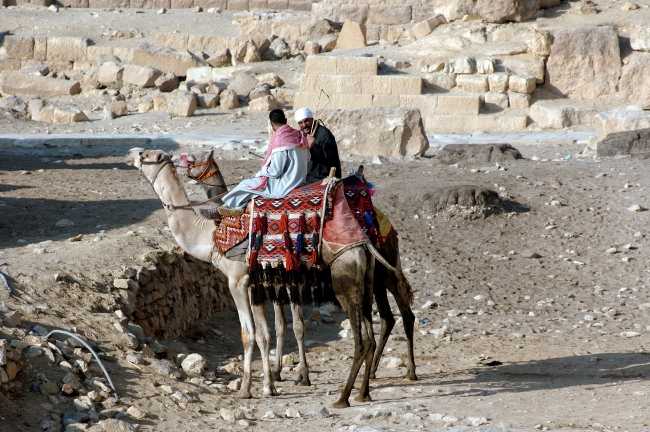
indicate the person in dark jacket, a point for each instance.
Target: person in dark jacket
{"x":324,"y":152}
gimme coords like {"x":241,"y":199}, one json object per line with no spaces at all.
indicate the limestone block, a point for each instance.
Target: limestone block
{"x":356,"y":66}
{"x":60,"y":115}
{"x":245,"y":51}
{"x":259,"y":92}
{"x":9,"y":64}
{"x":629,"y":143}
{"x":634,"y":85}
{"x":108,"y":4}
{"x":167,"y":83}
{"x":243,"y":84}
{"x":540,"y":42}
{"x":261,"y":41}
{"x":440,"y":80}
{"x":118,"y":109}
{"x":522,"y":83}
{"x":208,"y":4}
{"x":81,"y":65}
{"x":640,"y":38}
{"x":425,"y":27}
{"x":376,"y":85}
{"x":388,"y":132}
{"x":311,"y":48}
{"x":300,"y":5}
{"x":498,"y":82}
{"x":484,"y":66}
{"x":585,"y":62}
{"x":142,"y":76}
{"x":524,"y":64}
{"x":349,"y":84}
{"x":175,"y":41}
{"x":500,"y":11}
{"x":19,"y":47}
{"x":165,"y":59}
{"x":222,"y":58}
{"x":386,"y":100}
{"x":93,"y":51}
{"x":278,"y":4}
{"x":389,"y":14}
{"x":328,"y":42}
{"x":66,"y":49}
{"x":405,"y":85}
{"x":422,"y":13}
{"x":228,"y":100}
{"x":518,"y":100}
{"x":472,"y":83}
{"x":12,"y":82}
{"x":353,"y":35}
{"x":182,"y":4}
{"x":207,"y":100}
{"x":351,"y":101}
{"x":271,"y":79}
{"x":55,"y":66}
{"x":458,"y":104}
{"x":265,"y":103}
{"x":76,"y":4}
{"x":620,"y":120}
{"x":553,"y":116}
{"x":323,"y":65}
{"x":198,"y":43}
{"x":40,"y":48}
{"x":427,"y":104}
{"x":238,"y":5}
{"x":160,"y":101}
{"x":110,"y":73}
{"x":496,"y":101}
{"x":181,"y":104}
{"x":464,"y":65}
{"x":285,"y":97}
{"x":150,"y":4}
{"x":309,"y":100}
{"x":475,"y":123}
{"x":340,"y":12}
{"x":124,"y":54}
{"x":259,"y":4}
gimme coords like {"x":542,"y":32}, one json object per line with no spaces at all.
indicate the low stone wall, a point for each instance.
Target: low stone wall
{"x":239,"y":5}
{"x":171,"y":292}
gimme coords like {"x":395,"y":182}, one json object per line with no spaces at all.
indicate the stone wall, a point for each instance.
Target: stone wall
{"x":171,"y":292}
{"x":300,"y":5}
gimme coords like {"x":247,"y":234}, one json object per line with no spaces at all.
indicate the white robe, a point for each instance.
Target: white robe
{"x":287,"y":171}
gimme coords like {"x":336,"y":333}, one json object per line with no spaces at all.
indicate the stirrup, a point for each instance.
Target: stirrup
{"x":228,"y":212}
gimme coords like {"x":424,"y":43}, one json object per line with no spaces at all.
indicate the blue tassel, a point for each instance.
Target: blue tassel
{"x":368,"y":219}
{"x":299,"y":246}
{"x":370,"y":186}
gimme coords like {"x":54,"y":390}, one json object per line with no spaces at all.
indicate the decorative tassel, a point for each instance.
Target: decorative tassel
{"x":368,"y":217}
{"x":264,"y":227}
{"x":300,"y":247}
{"x":315,"y":223}
{"x":258,"y":296}
{"x":267,"y":275}
{"x":252,"y":261}
{"x":283,"y":295}
{"x":295,"y":290}
{"x":292,"y":262}
{"x":284,"y":222}
{"x":306,"y":286}
{"x":257,"y":227}
{"x":314,"y":249}
{"x":302,"y":224}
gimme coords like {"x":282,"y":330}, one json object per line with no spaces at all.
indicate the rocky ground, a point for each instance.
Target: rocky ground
{"x":506,"y":342}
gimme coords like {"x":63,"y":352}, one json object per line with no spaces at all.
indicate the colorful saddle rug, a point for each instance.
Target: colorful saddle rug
{"x":231,"y":231}
{"x":357,"y":193}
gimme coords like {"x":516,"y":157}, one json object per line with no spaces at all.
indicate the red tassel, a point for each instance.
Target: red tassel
{"x":289,"y":256}
{"x":257,"y":224}
{"x":264,"y":229}
{"x":284,"y":222}
{"x":252,"y":261}
{"x":314,"y":249}
{"x":302,"y":224}
{"x":315,"y":223}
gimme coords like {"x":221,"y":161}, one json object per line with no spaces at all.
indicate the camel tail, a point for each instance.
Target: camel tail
{"x":402,"y":283}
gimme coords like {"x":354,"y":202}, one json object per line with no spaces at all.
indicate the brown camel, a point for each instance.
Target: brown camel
{"x":352,"y":277}
{"x":201,"y":166}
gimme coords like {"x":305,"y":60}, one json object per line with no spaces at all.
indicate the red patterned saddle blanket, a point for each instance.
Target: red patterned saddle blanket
{"x":357,"y":193}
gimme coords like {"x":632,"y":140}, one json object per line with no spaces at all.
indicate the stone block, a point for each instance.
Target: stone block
{"x":323,"y":65}
{"x":93,"y":51}
{"x":208,"y":4}
{"x":540,"y":42}
{"x":518,"y":100}
{"x":440,"y":80}
{"x":496,"y":101}
{"x":309,"y":100}
{"x":278,"y":4}
{"x":349,"y":84}
{"x":285,"y":97}
{"x":376,"y":85}
{"x":640,"y":38}
{"x":142,"y":76}
{"x":261,"y":41}
{"x":124,"y":54}
{"x":300,"y":5}
{"x":238,"y":5}
{"x":259,"y":4}
{"x":522,"y":83}
{"x":328,"y":42}
{"x":425,"y":27}
{"x":265,"y":103}
{"x":386,"y":100}
{"x":181,"y":103}
{"x":243,"y":84}
{"x":75,"y":4}
{"x":405,"y":85}
{"x":620,"y":120}
{"x":18,"y":83}
{"x":427,"y":104}
{"x":222,"y":58}
{"x":110,"y":73}
{"x":210,"y":43}
{"x":58,"y":66}
{"x":9,"y":64}
{"x":474,"y":123}
{"x":175,"y":41}
{"x":458,"y":104}
{"x":634,"y":143}
{"x":472,"y":83}
{"x":40,"y":48}
{"x":108,"y":4}
{"x":19,"y":47}
{"x":356,"y":66}
{"x":634,"y":85}
{"x":66,"y":49}
{"x":353,"y":35}
{"x":60,"y":115}
{"x":182,"y":4}
{"x":340,"y":12}
{"x":207,"y":100}
{"x":553,"y":116}
{"x":498,"y":82}
{"x":165,"y":59}
{"x":389,"y":14}
{"x":351,"y":101}
{"x":160,"y":101}
{"x":315,"y":83}
{"x":228,"y":100}
{"x":117,"y":109}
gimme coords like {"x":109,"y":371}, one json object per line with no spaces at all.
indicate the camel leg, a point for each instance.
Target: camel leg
{"x":239,"y":291}
{"x":387,"y":321}
{"x":263,"y":338}
{"x":408,"y":319}
{"x":280,"y":331}
{"x":299,"y":331}
{"x":369,"y":344}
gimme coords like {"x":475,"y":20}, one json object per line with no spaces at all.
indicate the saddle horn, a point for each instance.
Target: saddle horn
{"x":360,"y":170}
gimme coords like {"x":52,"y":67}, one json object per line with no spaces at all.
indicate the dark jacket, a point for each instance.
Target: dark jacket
{"x":324,"y":155}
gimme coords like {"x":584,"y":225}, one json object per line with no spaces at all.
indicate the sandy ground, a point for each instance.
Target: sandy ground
{"x":563,"y":363}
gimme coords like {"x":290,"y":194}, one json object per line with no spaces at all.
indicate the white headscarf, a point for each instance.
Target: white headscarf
{"x":303,"y":113}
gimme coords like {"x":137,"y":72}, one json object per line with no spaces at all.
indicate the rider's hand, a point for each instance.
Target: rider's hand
{"x":311,"y":140}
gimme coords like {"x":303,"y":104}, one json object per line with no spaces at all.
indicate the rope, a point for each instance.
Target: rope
{"x":101,"y":365}
{"x":4,"y":279}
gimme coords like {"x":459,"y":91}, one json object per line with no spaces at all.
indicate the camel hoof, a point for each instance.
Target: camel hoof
{"x":360,"y":398}
{"x":270,"y":392}
{"x":302,"y":382}
{"x":411,"y":375}
{"x":341,"y":404}
{"x":243,"y":394}
{"x":373,"y":376}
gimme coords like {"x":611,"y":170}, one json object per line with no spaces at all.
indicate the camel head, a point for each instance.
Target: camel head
{"x":147,"y":161}
{"x":193,"y":164}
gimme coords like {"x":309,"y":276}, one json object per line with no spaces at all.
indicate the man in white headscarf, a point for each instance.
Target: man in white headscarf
{"x":324,"y":152}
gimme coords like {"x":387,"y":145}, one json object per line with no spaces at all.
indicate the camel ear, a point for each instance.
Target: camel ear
{"x":160,"y":156}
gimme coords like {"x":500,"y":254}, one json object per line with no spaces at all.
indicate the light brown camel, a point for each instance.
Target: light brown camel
{"x":352,"y":277}
{"x":202,"y":167}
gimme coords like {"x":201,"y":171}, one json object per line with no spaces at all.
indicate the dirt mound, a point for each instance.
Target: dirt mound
{"x":477,"y":153}
{"x":629,"y":143}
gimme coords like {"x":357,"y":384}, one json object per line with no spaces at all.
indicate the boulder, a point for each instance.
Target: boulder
{"x":142,"y":76}
{"x":14,"y":103}
{"x":311,"y":48}
{"x":110,"y":73}
{"x":222,"y":58}
{"x":440,"y":80}
{"x":279,"y":48}
{"x":540,"y":42}
{"x":629,"y":143}
{"x":388,"y":132}
{"x":228,"y":100}
{"x":552,"y":116}
{"x":167,"y":82}
{"x":271,"y":79}
{"x":245,"y":51}
{"x":194,"y":364}
{"x":261,"y":41}
{"x":207,"y":100}
{"x":19,"y":47}
{"x":585,"y":62}
{"x":634,"y":85}
{"x":353,"y":35}
{"x":620,"y":120}
{"x":261,"y":91}
{"x":464,"y":65}
{"x":118,"y":109}
{"x":113,"y":425}
{"x":525,"y":64}
{"x":498,"y":11}
{"x":264,"y":103}
{"x":66,"y":49}
{"x":639,"y":39}
{"x":425,"y":27}
{"x":328,"y":42}
{"x":473,"y":154}
{"x":165,"y":59}
{"x":181,"y":104}
{"x":243,"y":84}
{"x":61,"y":115}
{"x":13,"y":82}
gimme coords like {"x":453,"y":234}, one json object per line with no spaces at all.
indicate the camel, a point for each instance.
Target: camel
{"x":352,"y":279}
{"x":201,"y":166}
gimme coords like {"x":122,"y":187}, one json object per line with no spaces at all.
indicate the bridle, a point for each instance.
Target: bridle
{"x":206,"y":174}
{"x":162,"y":164}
